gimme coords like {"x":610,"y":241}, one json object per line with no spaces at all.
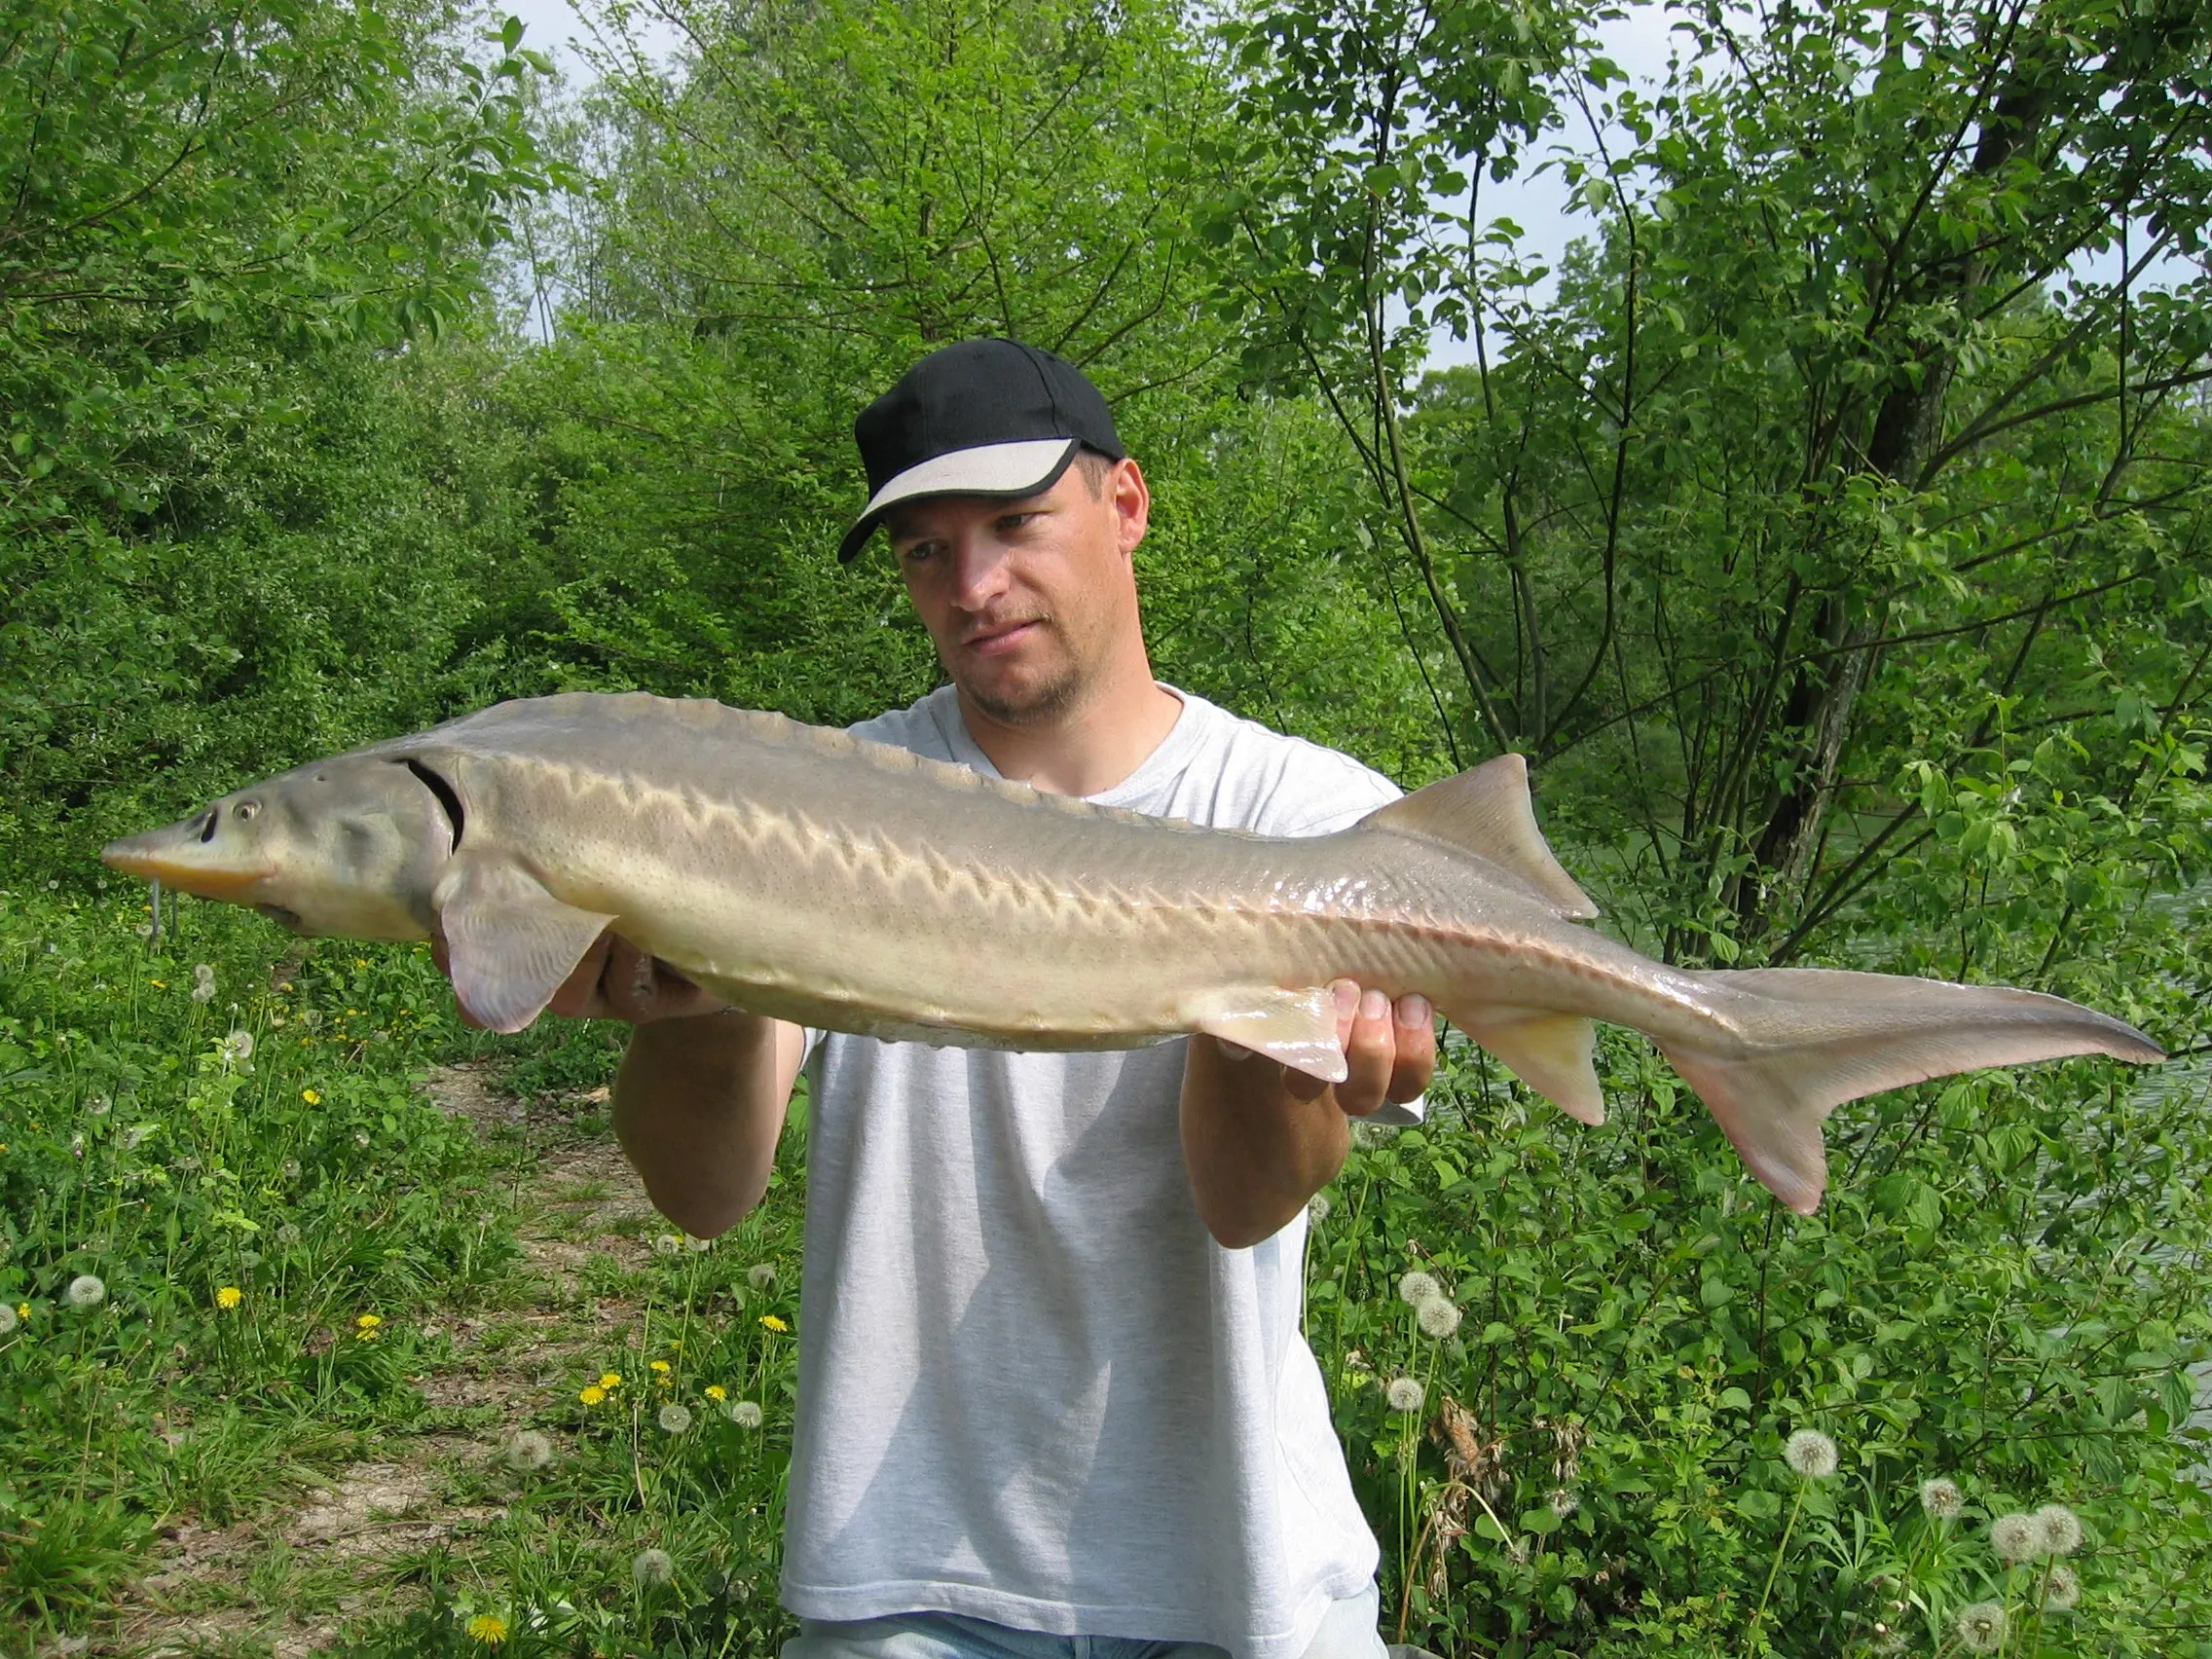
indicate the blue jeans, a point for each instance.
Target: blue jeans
{"x":1347,"y":1633}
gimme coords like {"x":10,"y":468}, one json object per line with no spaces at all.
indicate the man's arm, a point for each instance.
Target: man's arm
{"x":1260,"y":1139}
{"x":699,"y":1101}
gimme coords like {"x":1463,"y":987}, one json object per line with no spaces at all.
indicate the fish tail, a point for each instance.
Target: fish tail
{"x":1805,"y":1040}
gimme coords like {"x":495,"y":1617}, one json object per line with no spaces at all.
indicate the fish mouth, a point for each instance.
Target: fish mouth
{"x":174,"y":858}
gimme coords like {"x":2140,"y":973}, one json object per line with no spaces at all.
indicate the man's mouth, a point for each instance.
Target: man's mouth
{"x":998,"y":638}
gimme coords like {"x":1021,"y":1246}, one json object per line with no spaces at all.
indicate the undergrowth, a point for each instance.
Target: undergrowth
{"x":1567,"y":1365}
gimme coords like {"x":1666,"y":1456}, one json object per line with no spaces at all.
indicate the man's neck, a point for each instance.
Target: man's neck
{"x":1088,"y":750}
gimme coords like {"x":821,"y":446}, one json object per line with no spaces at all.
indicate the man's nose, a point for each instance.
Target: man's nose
{"x":981,"y":574}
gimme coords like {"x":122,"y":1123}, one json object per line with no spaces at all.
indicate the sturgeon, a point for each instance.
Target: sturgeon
{"x":808,"y":874}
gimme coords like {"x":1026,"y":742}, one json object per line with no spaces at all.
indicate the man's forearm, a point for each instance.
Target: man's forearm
{"x":698,"y":1106}
{"x":1255,"y":1150}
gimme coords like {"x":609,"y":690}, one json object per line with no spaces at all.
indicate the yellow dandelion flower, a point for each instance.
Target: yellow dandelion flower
{"x":611,"y":1379}
{"x":369,"y":1322}
{"x":228,"y":1296}
{"x":23,"y":1310}
{"x":773,"y":1323}
{"x":592,"y":1396}
{"x":660,"y":1365}
{"x":308,"y":1094}
{"x":488,"y":1628}
{"x":716,"y":1391}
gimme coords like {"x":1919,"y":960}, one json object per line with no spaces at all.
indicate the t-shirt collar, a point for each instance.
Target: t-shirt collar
{"x":1166,"y":761}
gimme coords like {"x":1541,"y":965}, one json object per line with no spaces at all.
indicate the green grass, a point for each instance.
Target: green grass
{"x":2006,"y":1287}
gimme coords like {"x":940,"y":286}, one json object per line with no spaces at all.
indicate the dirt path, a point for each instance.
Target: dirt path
{"x":287,"y":1580}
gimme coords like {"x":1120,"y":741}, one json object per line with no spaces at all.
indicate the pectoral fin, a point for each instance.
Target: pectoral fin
{"x":509,"y":942}
{"x":1299,"y":1028}
{"x":1550,"y":1052}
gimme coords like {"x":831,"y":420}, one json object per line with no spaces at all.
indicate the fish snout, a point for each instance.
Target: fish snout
{"x":181,"y":856}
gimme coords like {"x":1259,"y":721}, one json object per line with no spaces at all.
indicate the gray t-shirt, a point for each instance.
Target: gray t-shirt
{"x":1032,"y":1388}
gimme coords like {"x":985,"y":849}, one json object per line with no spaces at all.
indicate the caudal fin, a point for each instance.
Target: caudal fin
{"x":1814,"y":1038}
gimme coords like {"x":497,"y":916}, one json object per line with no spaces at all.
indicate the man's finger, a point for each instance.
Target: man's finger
{"x":578,"y":997}
{"x":1369,"y":1056}
{"x":1414,"y":1061}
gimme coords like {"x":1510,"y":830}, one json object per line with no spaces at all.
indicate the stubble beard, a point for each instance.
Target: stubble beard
{"x":1059,"y":693}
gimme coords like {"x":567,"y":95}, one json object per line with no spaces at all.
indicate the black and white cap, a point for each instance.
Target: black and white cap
{"x":989,"y":418}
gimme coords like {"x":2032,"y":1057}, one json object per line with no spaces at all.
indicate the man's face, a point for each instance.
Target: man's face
{"x":1028,"y":600}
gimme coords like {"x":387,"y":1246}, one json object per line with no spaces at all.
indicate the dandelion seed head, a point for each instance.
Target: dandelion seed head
{"x":362,"y":1138}
{"x":291,"y":1168}
{"x":1438,"y":1317}
{"x":1563,"y":1502}
{"x":1941,"y":1498}
{"x":1416,"y":1287}
{"x":1404,"y":1394}
{"x":8,"y":1319}
{"x":288,"y":1234}
{"x":204,"y":992}
{"x":203,"y":972}
{"x":1318,"y":1209}
{"x":650,"y":1569}
{"x":238,"y":1048}
{"x":2063,"y":1590}
{"x":1982,"y":1627}
{"x":746,"y":1414}
{"x":99,"y":1106}
{"x":667,"y":1244}
{"x":1810,"y":1454}
{"x":529,"y":1451}
{"x":675,"y":1418}
{"x":86,"y":1290}
{"x":2061,"y":1530}
{"x":761,"y":1275}
{"x":2017,"y":1538}
{"x":697,"y":1246}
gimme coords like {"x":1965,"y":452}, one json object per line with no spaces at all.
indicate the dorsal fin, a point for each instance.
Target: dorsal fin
{"x":1486,"y":810}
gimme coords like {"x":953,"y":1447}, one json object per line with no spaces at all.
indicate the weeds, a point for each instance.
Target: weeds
{"x":1575,"y":1373}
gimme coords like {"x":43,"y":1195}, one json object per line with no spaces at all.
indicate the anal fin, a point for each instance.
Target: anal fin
{"x":509,"y":942}
{"x":1551,"y":1052}
{"x":1297,"y":1028}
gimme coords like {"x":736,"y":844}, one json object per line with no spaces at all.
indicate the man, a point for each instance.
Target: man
{"x":1052,"y":1383}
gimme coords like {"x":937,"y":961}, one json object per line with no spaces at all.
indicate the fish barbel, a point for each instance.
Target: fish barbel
{"x":804,"y":873}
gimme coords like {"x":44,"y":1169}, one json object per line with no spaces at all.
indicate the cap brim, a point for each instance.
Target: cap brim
{"x":1005,"y":472}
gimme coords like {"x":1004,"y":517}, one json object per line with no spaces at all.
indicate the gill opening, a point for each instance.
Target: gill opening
{"x":448,"y":802}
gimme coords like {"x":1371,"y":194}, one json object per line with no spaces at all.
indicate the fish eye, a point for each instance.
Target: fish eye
{"x":246,"y":809}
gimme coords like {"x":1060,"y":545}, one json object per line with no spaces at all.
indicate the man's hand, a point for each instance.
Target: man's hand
{"x":1390,"y":1051}
{"x":1260,"y":1139}
{"x":614,"y":981}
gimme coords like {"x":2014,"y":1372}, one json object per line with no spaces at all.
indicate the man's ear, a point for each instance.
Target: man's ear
{"x":1132,"y":502}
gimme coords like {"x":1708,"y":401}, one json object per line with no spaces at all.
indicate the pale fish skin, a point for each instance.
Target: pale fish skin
{"x":804,"y":873}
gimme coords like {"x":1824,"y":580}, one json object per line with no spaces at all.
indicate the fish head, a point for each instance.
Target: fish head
{"x":351,"y":846}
